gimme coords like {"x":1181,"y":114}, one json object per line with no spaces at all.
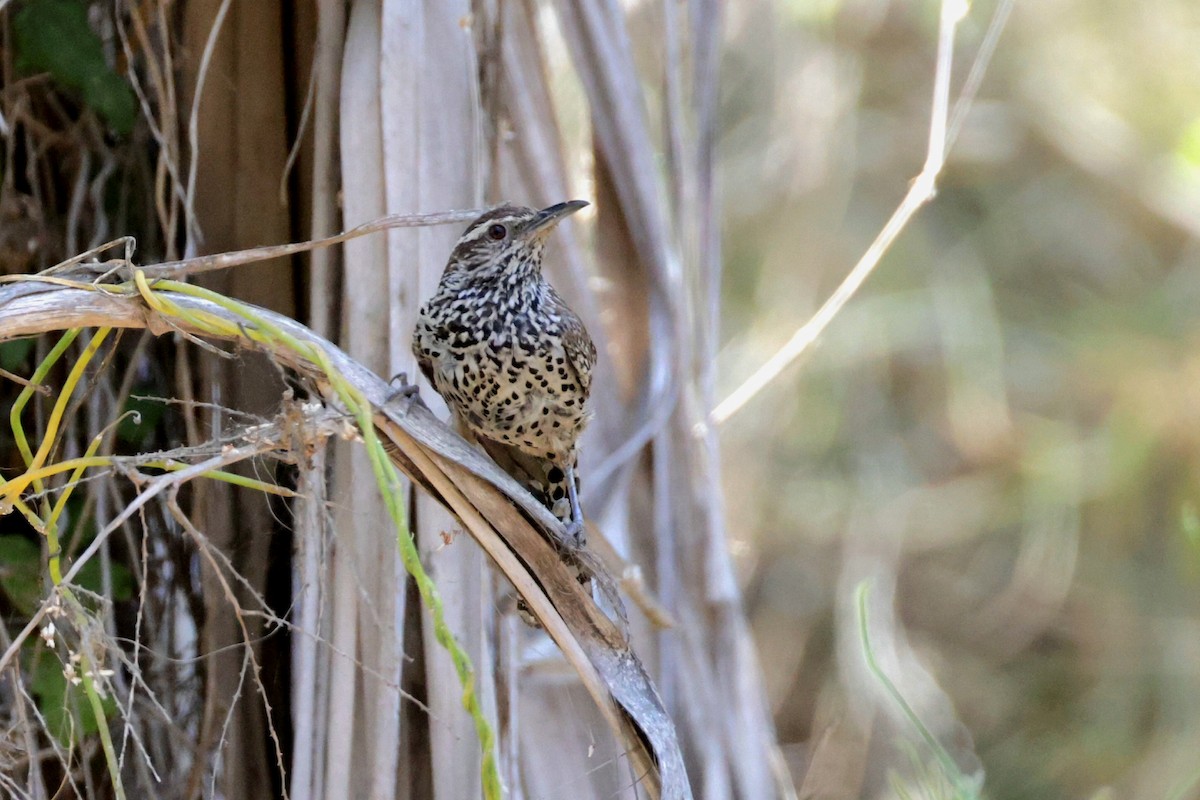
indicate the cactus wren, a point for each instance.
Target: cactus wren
{"x":512,"y":361}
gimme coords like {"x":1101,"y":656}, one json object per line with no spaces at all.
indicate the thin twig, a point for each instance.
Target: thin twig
{"x":922,"y":190}
{"x":978,"y":69}
{"x":193,"y":266}
{"x":45,"y":391}
{"x":294,"y":151}
{"x":239,"y":613}
{"x":174,"y":270}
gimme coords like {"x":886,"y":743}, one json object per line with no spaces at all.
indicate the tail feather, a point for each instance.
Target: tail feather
{"x":556,"y":492}
{"x":547,"y":482}
{"x":544,"y":479}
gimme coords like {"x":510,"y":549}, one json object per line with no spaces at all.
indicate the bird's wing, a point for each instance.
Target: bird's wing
{"x":426,"y":369}
{"x":422,"y":335}
{"x":578,"y":344}
{"x":581,"y":353}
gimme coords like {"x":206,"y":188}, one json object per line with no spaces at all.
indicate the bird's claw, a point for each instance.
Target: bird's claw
{"x":574,"y":526}
{"x":405,"y":391}
{"x":405,"y":387}
{"x":574,"y":533}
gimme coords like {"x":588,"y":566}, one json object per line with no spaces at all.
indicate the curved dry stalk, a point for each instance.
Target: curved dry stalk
{"x":921,"y":191}
{"x":501,"y":515}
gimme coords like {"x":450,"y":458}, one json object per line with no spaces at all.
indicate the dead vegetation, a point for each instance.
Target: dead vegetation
{"x":229,"y":606}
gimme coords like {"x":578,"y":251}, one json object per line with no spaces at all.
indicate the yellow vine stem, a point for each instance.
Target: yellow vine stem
{"x":60,"y":406}
{"x":10,"y":492}
{"x":39,"y":375}
{"x":7,"y":497}
{"x":35,"y":461}
{"x":261,"y":331}
{"x":89,"y":459}
{"x":31,"y":516}
{"x":46,"y":523}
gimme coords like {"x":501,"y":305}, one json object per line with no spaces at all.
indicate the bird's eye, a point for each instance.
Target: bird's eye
{"x":497,"y":232}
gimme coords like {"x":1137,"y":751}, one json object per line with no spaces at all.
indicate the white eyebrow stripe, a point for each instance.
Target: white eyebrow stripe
{"x":480,"y":229}
{"x":473,"y":234}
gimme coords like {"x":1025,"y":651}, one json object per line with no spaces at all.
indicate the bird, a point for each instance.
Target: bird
{"x":508,"y":355}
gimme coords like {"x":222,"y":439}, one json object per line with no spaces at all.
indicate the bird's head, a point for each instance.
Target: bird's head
{"x":507,"y":240}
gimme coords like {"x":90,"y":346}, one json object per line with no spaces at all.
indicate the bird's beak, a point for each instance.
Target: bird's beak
{"x":547,"y":218}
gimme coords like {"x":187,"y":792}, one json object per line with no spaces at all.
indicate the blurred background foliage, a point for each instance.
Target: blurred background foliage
{"x":1003,"y":424}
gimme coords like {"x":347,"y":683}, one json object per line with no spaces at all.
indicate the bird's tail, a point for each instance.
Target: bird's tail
{"x":555,"y":490}
{"x":547,"y":481}
{"x":544,"y":479}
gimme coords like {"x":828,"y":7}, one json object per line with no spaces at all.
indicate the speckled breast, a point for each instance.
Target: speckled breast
{"x":516,"y":389}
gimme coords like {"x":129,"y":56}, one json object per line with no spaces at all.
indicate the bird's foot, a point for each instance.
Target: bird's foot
{"x":406,"y":393}
{"x":574,"y":532}
{"x":574,"y":525}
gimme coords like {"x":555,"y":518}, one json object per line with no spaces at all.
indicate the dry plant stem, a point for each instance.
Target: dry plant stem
{"x":490,"y":540}
{"x":301,"y":128}
{"x":54,"y":307}
{"x":17,"y":379}
{"x":327,"y":69}
{"x":630,"y":578}
{"x":600,"y":46}
{"x":534,"y":596}
{"x":165,"y":132}
{"x":237,"y":258}
{"x":922,"y":190}
{"x":970,"y":87}
{"x":310,"y":530}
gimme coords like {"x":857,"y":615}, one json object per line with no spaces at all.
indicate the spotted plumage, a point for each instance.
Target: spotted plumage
{"x":512,"y":361}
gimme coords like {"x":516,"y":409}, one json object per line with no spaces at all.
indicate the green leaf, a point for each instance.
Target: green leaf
{"x":54,"y":36}
{"x":50,"y":689}
{"x":64,"y":706}
{"x":13,"y":353}
{"x":21,"y":572}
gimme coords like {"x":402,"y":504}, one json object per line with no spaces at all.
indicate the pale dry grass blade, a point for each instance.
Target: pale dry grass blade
{"x":632,"y":231}
{"x":432,"y":157}
{"x":313,"y":687}
{"x":601,"y":49}
{"x":331,"y":24}
{"x":363,"y":713}
{"x":308,"y":691}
